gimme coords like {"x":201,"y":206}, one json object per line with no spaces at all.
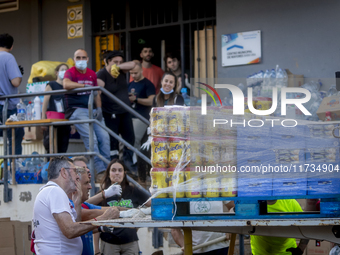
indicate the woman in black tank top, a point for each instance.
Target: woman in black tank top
{"x":53,"y":108}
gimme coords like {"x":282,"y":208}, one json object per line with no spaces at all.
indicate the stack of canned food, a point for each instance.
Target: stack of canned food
{"x":190,"y":156}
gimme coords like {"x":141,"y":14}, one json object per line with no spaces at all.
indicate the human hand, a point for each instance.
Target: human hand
{"x":98,"y":114}
{"x":77,"y":195}
{"x":114,"y":71}
{"x":295,"y":251}
{"x":110,"y":213}
{"x":129,"y":213}
{"x":113,"y":190}
{"x":132,"y":98}
{"x":21,"y":69}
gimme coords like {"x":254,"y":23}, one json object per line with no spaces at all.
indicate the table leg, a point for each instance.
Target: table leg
{"x":187,"y":241}
{"x":51,"y":138}
{"x":13,"y":153}
{"x":232,"y":244}
{"x":55,"y":143}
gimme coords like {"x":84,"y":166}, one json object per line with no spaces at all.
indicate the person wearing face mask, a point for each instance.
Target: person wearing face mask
{"x":53,"y":108}
{"x":76,"y":105}
{"x":168,"y":94}
{"x":116,"y":117}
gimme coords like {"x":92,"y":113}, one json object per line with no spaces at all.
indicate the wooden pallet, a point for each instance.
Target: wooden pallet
{"x":245,"y":208}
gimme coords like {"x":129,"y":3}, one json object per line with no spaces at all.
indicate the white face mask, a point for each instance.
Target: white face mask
{"x":81,"y":64}
{"x":61,"y":74}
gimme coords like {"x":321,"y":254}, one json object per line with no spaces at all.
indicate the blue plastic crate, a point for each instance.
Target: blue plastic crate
{"x":25,"y":178}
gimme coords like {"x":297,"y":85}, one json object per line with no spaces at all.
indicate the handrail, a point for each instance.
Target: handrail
{"x":71,"y":91}
{"x":91,"y":121}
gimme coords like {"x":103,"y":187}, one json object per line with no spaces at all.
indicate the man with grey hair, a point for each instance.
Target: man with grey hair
{"x":55,"y":227}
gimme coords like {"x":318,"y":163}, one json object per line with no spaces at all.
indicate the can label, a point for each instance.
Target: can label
{"x":175,"y":152}
{"x":176,"y":123}
{"x":159,"y":156}
{"x":158,"y":123}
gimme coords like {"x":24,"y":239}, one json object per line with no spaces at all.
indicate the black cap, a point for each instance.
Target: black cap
{"x":115,"y":53}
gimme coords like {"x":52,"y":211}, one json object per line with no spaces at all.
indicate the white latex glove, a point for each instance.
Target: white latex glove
{"x":129,"y":213}
{"x":146,"y":211}
{"x":113,"y":190}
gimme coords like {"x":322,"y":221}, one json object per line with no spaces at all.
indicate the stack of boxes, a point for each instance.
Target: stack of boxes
{"x":269,"y":160}
{"x":322,"y":157}
{"x":301,"y":157}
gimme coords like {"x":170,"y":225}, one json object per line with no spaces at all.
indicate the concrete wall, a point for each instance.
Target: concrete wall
{"x":39,"y":29}
{"x":302,"y":36}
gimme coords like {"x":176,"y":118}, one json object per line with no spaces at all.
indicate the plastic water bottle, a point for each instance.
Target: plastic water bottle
{"x":265,"y":83}
{"x":21,"y":111}
{"x":279,"y":79}
{"x":332,"y":91}
{"x":37,"y":108}
{"x":29,"y":111}
{"x":184,"y":92}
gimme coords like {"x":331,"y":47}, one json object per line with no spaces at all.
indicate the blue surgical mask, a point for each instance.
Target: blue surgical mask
{"x":61,"y":74}
{"x":166,"y":93}
{"x":81,"y":64}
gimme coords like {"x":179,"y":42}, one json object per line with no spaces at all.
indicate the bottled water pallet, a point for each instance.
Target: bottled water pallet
{"x":245,"y":208}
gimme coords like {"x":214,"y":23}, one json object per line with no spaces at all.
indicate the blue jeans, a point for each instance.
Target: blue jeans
{"x":19,"y":133}
{"x":101,"y":138}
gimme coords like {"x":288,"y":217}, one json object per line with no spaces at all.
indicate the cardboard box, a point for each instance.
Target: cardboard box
{"x":324,"y":248}
{"x":15,"y":237}
{"x":295,"y":80}
{"x":329,"y":104}
{"x":33,"y":133}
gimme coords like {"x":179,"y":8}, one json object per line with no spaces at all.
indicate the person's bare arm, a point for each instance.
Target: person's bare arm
{"x":74,"y":229}
{"x":101,"y":83}
{"x":88,"y":214}
{"x":68,"y":84}
{"x":96,"y":243}
{"x":127,"y":66}
{"x":16,"y":81}
{"x":98,"y":100}
{"x":143,"y":101}
{"x":46,"y":102}
{"x":96,"y":199}
{"x":148,"y":204}
{"x":178,"y":236}
{"x":45,"y":105}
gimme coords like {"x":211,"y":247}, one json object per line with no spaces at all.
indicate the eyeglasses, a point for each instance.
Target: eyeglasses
{"x":76,"y":169}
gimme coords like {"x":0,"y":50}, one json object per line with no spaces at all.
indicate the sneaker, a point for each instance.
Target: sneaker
{"x":99,"y":177}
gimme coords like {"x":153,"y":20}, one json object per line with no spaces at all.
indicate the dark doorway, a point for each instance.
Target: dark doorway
{"x":154,"y":37}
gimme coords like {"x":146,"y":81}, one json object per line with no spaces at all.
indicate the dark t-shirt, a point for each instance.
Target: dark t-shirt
{"x":143,"y":89}
{"x":81,"y":99}
{"x":131,"y":198}
{"x":117,"y":87}
{"x":51,"y":105}
{"x":179,"y":100}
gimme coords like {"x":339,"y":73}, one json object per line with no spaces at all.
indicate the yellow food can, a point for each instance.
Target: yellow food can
{"x":179,"y":177}
{"x":196,"y":151}
{"x":196,"y":121}
{"x":159,"y":121}
{"x":228,"y":151}
{"x":159,"y":154}
{"x":228,"y":186}
{"x":176,"y":149}
{"x":187,"y":155}
{"x":193,"y":183}
{"x":211,"y":151}
{"x":176,"y":121}
{"x":211,"y":185}
{"x":159,"y":180}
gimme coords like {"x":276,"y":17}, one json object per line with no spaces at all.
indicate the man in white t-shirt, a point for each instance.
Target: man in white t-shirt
{"x":55,"y":228}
